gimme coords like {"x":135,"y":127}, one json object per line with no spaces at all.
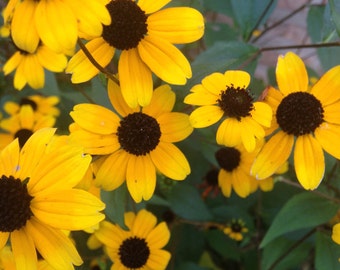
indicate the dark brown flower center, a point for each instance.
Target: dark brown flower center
{"x":23,"y":135}
{"x":14,"y":204}
{"x":134,"y":253}
{"x":27,"y":101}
{"x":299,"y":113}
{"x":236,"y":102}
{"x":211,"y":177}
{"x":128,"y":26}
{"x":138,"y":133}
{"x":236,"y":226}
{"x":228,"y":158}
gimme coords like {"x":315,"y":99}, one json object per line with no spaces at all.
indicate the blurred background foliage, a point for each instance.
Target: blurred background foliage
{"x":288,"y":228}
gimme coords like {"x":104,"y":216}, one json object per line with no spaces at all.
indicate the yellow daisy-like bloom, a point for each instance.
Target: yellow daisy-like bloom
{"x":336,"y":233}
{"x":138,"y":143}
{"x":235,"y":229}
{"x":37,"y":183}
{"x":234,"y":174}
{"x":41,"y":105}
{"x":145,"y":34}
{"x":226,"y":96}
{"x":29,"y":67}
{"x":23,"y":125}
{"x":309,"y":117}
{"x":56,"y":23}
{"x":139,"y":247}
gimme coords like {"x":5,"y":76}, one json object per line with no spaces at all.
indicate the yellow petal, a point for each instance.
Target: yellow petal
{"x":158,"y":259}
{"x":291,"y":74}
{"x":336,"y":233}
{"x":170,"y":161}
{"x":200,"y":96}
{"x":52,"y":61}
{"x":135,"y":79}
{"x":331,"y":113}
{"x":205,"y":116}
{"x":176,"y":25}
{"x":33,"y":71}
{"x":229,"y":132}
{"x":224,"y":182}
{"x":165,"y":60}
{"x":143,"y":224}
{"x":237,"y":78}
{"x":241,"y":183}
{"x":3,"y":239}
{"x":12,"y":63}
{"x":273,"y":154}
{"x":309,"y":161}
{"x":215,"y":83}
{"x":262,"y":113}
{"x":328,"y":136}
{"x":159,"y":236}
{"x":150,"y":6}
{"x":250,"y":132}
{"x":174,"y":126}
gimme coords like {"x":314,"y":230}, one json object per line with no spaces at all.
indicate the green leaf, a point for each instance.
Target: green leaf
{"x":335,"y":13}
{"x":186,"y":202}
{"x":304,"y":210}
{"x":219,"y":6}
{"x":327,"y":253}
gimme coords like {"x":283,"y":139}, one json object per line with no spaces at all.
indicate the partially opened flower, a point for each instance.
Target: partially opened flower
{"x":225,"y":96}
{"x":139,"y":247}
{"x":308,"y":118}
{"x":236,"y":229}
{"x":29,"y":67}
{"x":56,"y":23}
{"x":22,"y":125}
{"x":145,"y":34}
{"x":138,"y":142}
{"x":39,"y":201}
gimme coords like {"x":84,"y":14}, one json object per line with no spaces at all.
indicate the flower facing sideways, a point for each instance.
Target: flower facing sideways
{"x":137,"y":142}
{"x":38,"y":200}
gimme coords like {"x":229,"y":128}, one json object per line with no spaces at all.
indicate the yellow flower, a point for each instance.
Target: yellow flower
{"x":336,"y":233}
{"x":56,"y":23}
{"x":234,"y":174}
{"x":41,"y":105}
{"x":145,"y":35}
{"x":139,"y":247}
{"x":225,"y":96}
{"x":30,"y":66}
{"x":23,"y":125}
{"x":137,"y":144}
{"x":309,"y":117}
{"x":235,"y":229}
{"x":40,"y":202}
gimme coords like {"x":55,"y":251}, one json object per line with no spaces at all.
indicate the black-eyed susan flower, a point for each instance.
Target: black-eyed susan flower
{"x":310,"y":118}
{"x":139,"y":247}
{"x":225,"y":96}
{"x":41,"y":105}
{"x":56,"y":23}
{"x":210,"y":183}
{"x":39,"y":201}
{"x":22,"y":125}
{"x":138,"y":142}
{"x":29,"y":67}
{"x":145,"y":34}
{"x":234,"y":174}
{"x":236,"y":229}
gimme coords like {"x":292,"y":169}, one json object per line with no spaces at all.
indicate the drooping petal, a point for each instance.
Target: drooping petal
{"x":250,"y":132}
{"x":309,"y":161}
{"x":95,"y":118}
{"x":9,"y":159}
{"x":237,"y":78}
{"x":291,"y":74}
{"x":33,"y":71}
{"x":150,"y":6}
{"x":241,"y":183}
{"x":20,"y":79}
{"x":328,"y":136}
{"x":158,"y":259}
{"x":51,"y":60}
{"x":205,"y":116}
{"x":12,"y":63}
{"x":224,"y":182}
{"x":273,"y":154}
{"x":229,"y":132}
{"x":3,"y":239}
{"x":177,"y":25}
{"x":273,"y":97}
{"x":162,"y":101}
{"x":327,"y":88}
{"x":262,"y":113}
{"x":170,"y":161}
{"x":73,"y":209}
{"x":165,"y":60}
{"x":174,"y":126}
{"x":23,"y":249}
{"x":53,"y":245}
{"x":135,"y":79}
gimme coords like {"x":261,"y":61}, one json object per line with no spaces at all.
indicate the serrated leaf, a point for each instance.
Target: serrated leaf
{"x":327,"y":253}
{"x":186,"y":202}
{"x":304,"y":210}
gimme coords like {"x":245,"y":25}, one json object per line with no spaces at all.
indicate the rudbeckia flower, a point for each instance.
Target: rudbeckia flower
{"x":226,"y":96}
{"x":139,"y":247}
{"x":39,"y":201}
{"x":56,"y":23}
{"x":308,"y":117}
{"x":29,"y":67}
{"x":23,"y":125}
{"x":41,"y":105}
{"x":138,"y":142}
{"x":236,"y":229}
{"x":234,"y":174}
{"x":145,"y":34}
